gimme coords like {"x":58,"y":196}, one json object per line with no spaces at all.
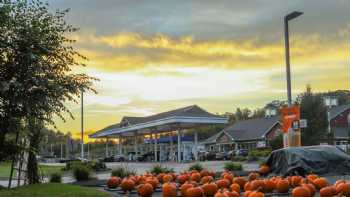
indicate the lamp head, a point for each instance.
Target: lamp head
{"x":292,"y":15}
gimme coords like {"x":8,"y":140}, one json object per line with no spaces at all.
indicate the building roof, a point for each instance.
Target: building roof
{"x":337,"y":110}
{"x":190,"y":115}
{"x":341,"y":132}
{"x":247,"y":130}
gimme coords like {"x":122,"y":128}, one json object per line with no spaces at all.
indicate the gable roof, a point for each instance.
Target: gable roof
{"x":335,"y":111}
{"x":247,"y":129}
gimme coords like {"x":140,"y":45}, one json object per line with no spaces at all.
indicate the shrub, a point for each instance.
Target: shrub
{"x":123,"y":171}
{"x":97,"y":165}
{"x":252,"y":158}
{"x":157,"y":169}
{"x":81,"y":172}
{"x":55,"y":177}
{"x":240,"y":158}
{"x":260,"y":153}
{"x":196,"y":166}
{"x":231,"y":166}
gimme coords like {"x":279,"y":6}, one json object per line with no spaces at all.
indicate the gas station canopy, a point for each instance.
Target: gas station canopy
{"x":178,"y":119}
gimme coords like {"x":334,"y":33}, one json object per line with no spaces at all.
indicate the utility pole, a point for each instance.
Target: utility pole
{"x":82,"y":125}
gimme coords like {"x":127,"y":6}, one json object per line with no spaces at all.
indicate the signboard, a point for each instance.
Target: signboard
{"x":303,"y":123}
{"x":290,"y":117}
{"x":261,"y":144}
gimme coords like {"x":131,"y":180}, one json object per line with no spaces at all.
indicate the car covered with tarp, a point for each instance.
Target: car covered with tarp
{"x":322,"y":160}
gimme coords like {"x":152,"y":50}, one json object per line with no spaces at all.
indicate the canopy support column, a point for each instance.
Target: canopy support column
{"x":196,"y":145}
{"x":120,"y":145}
{"x":171,"y":147}
{"x":106,"y":146}
{"x":135,"y":146}
{"x":179,"y":146}
{"x":155,"y":148}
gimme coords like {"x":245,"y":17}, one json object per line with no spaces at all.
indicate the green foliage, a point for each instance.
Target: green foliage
{"x":196,"y":166}
{"x":260,"y":153}
{"x":53,"y":190}
{"x":231,"y":166}
{"x":123,"y":171}
{"x":56,"y":177}
{"x":93,"y":165}
{"x":252,"y":158}
{"x":157,"y":169}
{"x":239,"y":158}
{"x":81,"y":172}
{"x":314,"y":110}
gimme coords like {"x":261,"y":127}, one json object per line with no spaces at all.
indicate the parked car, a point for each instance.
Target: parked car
{"x":242,"y":152}
{"x":220,"y":156}
{"x":229,"y":155}
{"x":114,"y":158}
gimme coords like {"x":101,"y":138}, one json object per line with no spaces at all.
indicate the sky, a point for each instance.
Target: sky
{"x":157,"y":55}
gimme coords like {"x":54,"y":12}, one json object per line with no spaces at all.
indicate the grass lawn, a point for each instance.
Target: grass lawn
{"x":46,"y":170}
{"x":53,"y":190}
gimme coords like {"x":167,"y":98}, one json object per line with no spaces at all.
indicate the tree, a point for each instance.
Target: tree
{"x":36,"y":59}
{"x":314,"y":110}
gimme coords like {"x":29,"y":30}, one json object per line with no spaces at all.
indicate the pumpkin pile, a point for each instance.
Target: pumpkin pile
{"x":206,"y":184}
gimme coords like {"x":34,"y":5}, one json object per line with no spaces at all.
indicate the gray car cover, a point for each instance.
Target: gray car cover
{"x":322,"y":160}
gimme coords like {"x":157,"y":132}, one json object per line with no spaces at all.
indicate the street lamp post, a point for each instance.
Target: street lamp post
{"x":82,"y":125}
{"x":287,"y":18}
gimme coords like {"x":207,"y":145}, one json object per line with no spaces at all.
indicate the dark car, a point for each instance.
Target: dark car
{"x":242,"y":152}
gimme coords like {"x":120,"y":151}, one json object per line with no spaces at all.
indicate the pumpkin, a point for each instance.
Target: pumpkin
{"x":223,"y":183}
{"x":210,"y":189}
{"x":220,"y":194}
{"x":182,"y":178}
{"x":160,"y":177}
{"x":248,"y":186}
{"x":167,"y":178}
{"x":196,"y":176}
{"x":127,"y":185}
{"x":328,"y":191}
{"x":204,"y":173}
{"x":256,"y":194}
{"x":153,"y":181}
{"x":301,"y":192}
{"x":145,"y":190}
{"x":282,"y":186}
{"x":195,"y":192}
{"x":247,"y":193}
{"x":229,"y":177}
{"x":311,"y":177}
{"x":231,"y":193}
{"x":169,"y":190}
{"x":207,"y":179}
{"x":113,"y":182}
{"x":184,"y":188}
{"x":320,"y":182}
{"x":241,"y":181}
{"x":269,"y":185}
{"x":253,"y":175}
{"x":343,"y":188}
{"x":296,"y":180}
{"x":264,"y":169}
{"x":310,"y":187}
{"x":235,"y":187}
{"x":257,"y":185}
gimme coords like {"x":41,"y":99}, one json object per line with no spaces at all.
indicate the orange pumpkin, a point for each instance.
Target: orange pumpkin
{"x":301,"y":192}
{"x":257,"y":185}
{"x":248,"y":186}
{"x":343,"y":188}
{"x":231,"y":193}
{"x":264,"y":169}
{"x":184,"y":188}
{"x":269,"y":185}
{"x":310,"y":187}
{"x":127,"y":185}
{"x":169,"y":190}
{"x":241,"y":181}
{"x":320,"y":182}
{"x":167,"y":178}
{"x":160,"y":177}
{"x":204,"y":173}
{"x":256,"y":194}
{"x":195,"y":192}
{"x":282,"y":186}
{"x":182,"y":178}
{"x":253,"y":175}
{"x":145,"y":190}
{"x":229,"y":177}
{"x":207,"y":179}
{"x":220,"y":194}
{"x":113,"y":182}
{"x":247,"y":193}
{"x":296,"y":180}
{"x":328,"y":191}
{"x":196,"y":176}
{"x":235,"y":187}
{"x":153,"y":181}
{"x":311,"y":177}
{"x":223,"y":183}
{"x":210,"y":189}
